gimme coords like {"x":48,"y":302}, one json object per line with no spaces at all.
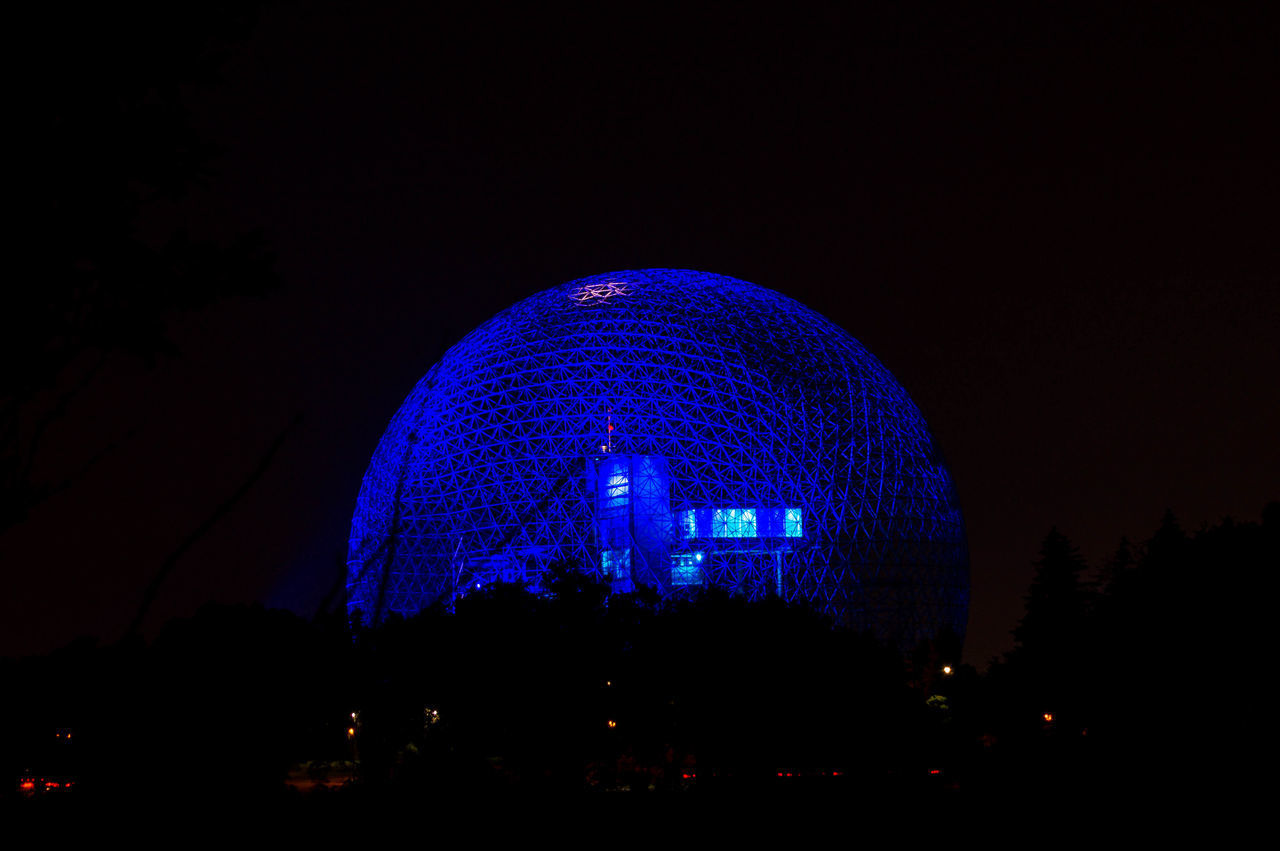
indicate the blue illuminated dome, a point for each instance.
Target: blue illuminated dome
{"x":669,"y":428}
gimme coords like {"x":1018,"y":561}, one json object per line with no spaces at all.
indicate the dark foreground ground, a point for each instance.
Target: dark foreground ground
{"x":1143,"y":685}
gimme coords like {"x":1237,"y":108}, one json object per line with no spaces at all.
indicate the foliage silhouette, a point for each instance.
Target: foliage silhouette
{"x":513,"y":692}
{"x":113,"y":145}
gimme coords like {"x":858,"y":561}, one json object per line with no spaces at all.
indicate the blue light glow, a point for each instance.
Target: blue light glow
{"x":616,"y":564}
{"x":741,"y":523}
{"x":686,"y":569}
{"x":667,"y":428}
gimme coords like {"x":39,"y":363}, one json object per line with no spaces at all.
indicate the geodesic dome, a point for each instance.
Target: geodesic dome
{"x":666,"y":428}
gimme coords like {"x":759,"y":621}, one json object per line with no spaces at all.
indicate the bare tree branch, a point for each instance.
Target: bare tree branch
{"x":171,"y":561}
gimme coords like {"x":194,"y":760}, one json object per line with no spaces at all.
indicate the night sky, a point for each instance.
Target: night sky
{"x":1058,"y":232}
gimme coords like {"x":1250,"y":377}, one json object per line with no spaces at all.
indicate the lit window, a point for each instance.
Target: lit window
{"x":686,"y":569}
{"x":688,"y":524}
{"x":720,"y":523}
{"x":795,"y":523}
{"x":616,"y":564}
{"x":734,"y":523}
{"x":741,"y":523}
{"x":616,"y":492}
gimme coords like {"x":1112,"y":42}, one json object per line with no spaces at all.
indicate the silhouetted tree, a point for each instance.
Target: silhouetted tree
{"x":1056,"y":604}
{"x":109,"y":144}
{"x":1117,"y":571}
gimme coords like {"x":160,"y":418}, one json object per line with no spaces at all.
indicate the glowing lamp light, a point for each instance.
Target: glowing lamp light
{"x":1048,"y":717}
{"x":612,"y":724}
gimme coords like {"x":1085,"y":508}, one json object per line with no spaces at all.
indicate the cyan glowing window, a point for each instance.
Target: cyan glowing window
{"x":686,"y":569}
{"x":688,"y":524}
{"x":741,"y":523}
{"x":616,"y":564}
{"x":795,"y":523}
{"x":616,"y":491}
{"x":734,"y":523}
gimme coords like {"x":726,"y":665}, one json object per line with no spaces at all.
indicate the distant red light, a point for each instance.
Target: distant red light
{"x":27,"y":784}
{"x":935,"y":771}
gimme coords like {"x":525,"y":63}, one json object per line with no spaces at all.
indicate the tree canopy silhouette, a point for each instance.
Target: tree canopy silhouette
{"x":1057,"y":603}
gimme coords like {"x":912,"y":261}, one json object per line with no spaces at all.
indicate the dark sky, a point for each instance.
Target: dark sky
{"x":1057,"y":229}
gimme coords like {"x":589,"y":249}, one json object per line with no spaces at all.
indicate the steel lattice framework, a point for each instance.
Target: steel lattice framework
{"x":671,"y":428}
